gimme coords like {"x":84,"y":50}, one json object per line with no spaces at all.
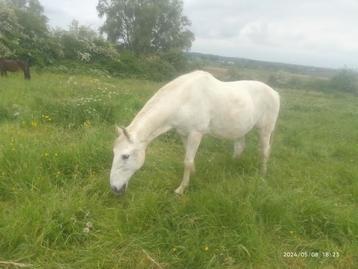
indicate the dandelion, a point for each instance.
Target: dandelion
{"x":87,"y":124}
{"x":34,"y":123}
{"x":206,"y":248}
{"x":45,"y":117}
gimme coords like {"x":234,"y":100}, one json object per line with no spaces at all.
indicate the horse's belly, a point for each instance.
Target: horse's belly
{"x":232,"y":123}
{"x":230,"y":128}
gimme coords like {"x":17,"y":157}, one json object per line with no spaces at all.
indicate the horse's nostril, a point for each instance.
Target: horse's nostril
{"x":118,"y":190}
{"x":114,"y":188}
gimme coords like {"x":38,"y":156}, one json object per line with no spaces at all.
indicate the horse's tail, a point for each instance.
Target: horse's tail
{"x":278,"y":104}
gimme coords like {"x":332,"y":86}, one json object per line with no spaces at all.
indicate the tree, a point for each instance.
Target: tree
{"x":10,"y":31}
{"x":146,"y":26}
{"x":82,"y":43}
{"x":23,"y":30}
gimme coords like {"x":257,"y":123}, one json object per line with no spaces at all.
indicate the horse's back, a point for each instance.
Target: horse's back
{"x":226,"y":109}
{"x":13,"y":66}
{"x":198,"y":101}
{"x":263,"y":96}
{"x":244,"y":96}
{"x":10,"y":65}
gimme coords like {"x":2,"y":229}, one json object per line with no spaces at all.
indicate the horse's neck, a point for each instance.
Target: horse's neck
{"x":149,"y":125}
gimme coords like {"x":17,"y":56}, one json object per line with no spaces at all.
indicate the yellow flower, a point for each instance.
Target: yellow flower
{"x":34,"y":123}
{"x":206,"y":248}
{"x":87,"y":124}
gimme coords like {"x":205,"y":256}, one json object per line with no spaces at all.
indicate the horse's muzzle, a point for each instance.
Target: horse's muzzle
{"x":119,"y":190}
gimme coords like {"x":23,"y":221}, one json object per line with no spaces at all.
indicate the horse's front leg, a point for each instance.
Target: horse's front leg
{"x":191,"y":144}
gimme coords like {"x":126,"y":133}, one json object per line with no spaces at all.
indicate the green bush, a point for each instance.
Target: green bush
{"x":155,"y":67}
{"x":346,"y":80}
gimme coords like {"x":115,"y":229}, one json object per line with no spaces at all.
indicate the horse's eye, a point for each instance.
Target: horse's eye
{"x":125,"y":156}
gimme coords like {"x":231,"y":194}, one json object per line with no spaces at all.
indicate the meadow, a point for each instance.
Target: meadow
{"x":57,"y":210}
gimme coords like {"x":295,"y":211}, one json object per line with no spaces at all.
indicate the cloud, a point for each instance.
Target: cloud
{"x":320,"y":32}
{"x":308,"y":32}
{"x":62,"y":12}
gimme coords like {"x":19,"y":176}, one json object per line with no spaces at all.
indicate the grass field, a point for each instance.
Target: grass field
{"x":57,"y":211}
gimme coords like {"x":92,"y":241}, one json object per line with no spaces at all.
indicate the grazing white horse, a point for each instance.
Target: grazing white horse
{"x":196,"y":104}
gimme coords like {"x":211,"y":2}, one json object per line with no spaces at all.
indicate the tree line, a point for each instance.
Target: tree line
{"x":138,"y":36}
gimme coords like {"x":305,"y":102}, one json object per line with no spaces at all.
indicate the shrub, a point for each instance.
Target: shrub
{"x":346,"y":80}
{"x":153,"y":66}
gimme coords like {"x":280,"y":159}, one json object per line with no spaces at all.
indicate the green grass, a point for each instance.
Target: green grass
{"x":57,"y":211}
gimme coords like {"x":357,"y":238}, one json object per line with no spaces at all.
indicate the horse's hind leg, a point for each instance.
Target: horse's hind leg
{"x":265,"y":137}
{"x":266,"y":134}
{"x":266,"y":128}
{"x":239,"y":147}
{"x":191,"y":144}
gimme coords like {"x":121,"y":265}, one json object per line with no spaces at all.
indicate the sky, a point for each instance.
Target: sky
{"x":307,"y":32}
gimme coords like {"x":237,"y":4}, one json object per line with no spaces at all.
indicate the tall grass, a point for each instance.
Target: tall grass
{"x":56,"y":209}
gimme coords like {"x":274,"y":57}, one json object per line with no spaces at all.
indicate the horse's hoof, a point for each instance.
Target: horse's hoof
{"x":179,"y":191}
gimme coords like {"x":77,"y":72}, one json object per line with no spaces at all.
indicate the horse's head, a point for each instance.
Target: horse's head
{"x":25,"y":66}
{"x":129,"y":156}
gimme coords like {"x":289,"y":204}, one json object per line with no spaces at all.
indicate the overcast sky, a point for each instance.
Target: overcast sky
{"x":310,"y":32}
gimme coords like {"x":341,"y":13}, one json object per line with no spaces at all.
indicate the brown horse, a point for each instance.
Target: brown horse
{"x":13,"y":66}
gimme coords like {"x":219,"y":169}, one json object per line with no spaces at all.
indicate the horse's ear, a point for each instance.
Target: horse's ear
{"x":125,"y":132}
{"x":122,"y":130}
{"x":119,"y":130}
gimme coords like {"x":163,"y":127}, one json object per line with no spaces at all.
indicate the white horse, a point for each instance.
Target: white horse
{"x":196,"y":104}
